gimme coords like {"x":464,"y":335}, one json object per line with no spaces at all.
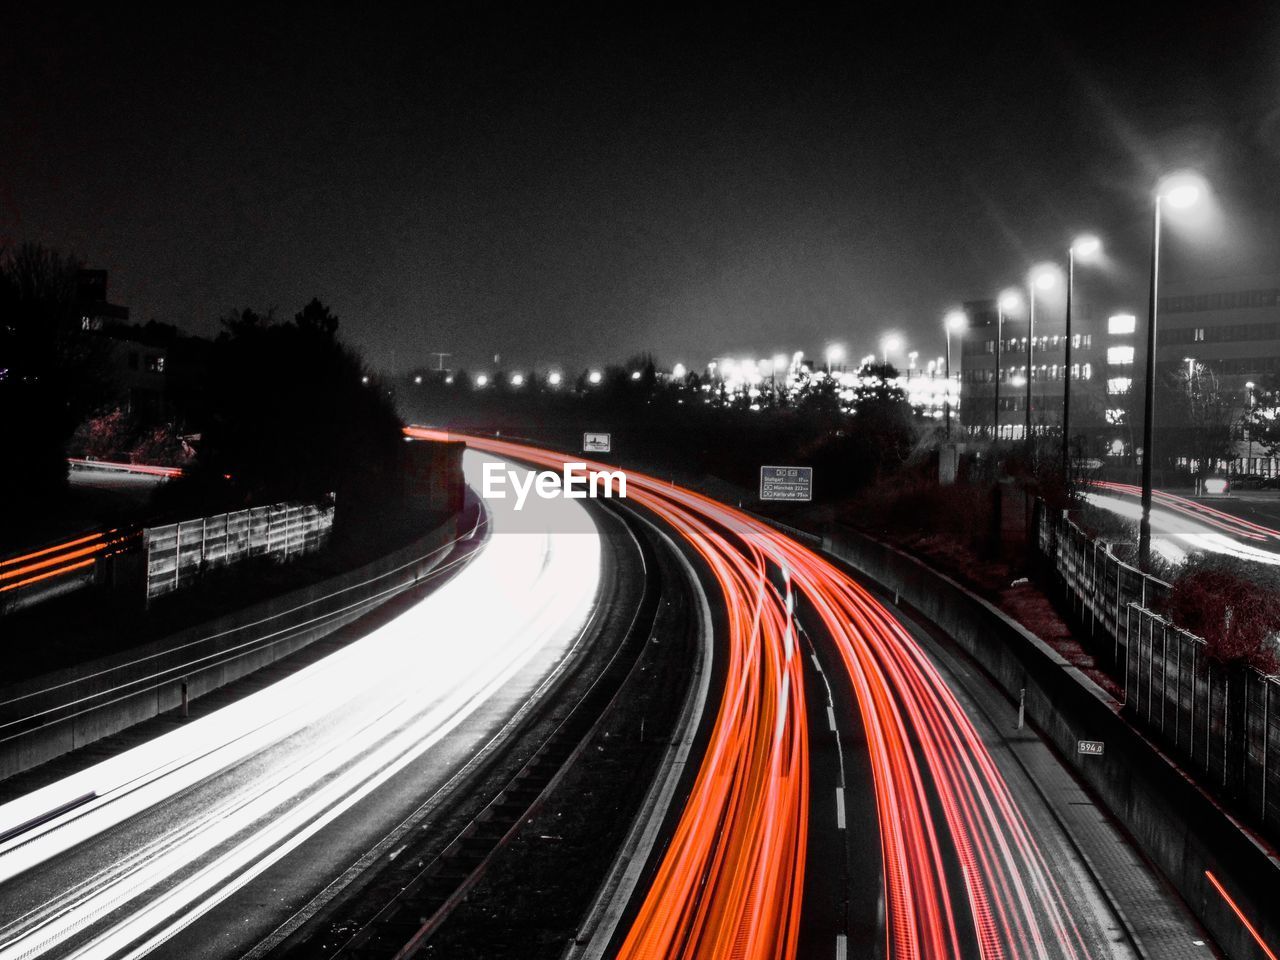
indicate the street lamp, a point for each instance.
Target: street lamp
{"x":1178,"y":192}
{"x":594,"y":377}
{"x":553,"y":378}
{"x":1043,"y":277}
{"x":1248,"y":467}
{"x":1007,"y":302}
{"x":835,"y":355}
{"x":955,"y":322}
{"x":890,"y":344}
{"x":1083,"y":248}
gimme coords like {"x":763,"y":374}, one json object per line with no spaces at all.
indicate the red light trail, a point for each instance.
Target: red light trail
{"x":729,"y":883}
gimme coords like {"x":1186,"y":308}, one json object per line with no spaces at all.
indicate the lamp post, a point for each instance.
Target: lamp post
{"x":1008,"y":301}
{"x":954,"y":322}
{"x":890,"y":344}
{"x":1178,"y":192}
{"x":834,"y":355}
{"x":1084,"y":248}
{"x":1041,"y":278}
{"x":1248,"y":466}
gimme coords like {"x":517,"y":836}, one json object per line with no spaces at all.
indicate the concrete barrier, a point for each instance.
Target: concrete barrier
{"x":51,"y":715}
{"x":1180,"y":828}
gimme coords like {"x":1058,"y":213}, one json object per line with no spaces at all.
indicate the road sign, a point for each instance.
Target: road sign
{"x":786,"y":483}
{"x":596,"y":443}
{"x":1092,"y":748}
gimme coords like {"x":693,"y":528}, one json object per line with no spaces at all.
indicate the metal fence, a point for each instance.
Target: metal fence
{"x":1220,"y":721}
{"x":181,"y":552}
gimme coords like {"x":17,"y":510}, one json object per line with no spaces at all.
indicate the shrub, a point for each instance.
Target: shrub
{"x":1233,"y":605}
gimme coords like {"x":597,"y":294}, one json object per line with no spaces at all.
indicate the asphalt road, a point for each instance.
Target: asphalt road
{"x":863,"y":790}
{"x":202,"y":842}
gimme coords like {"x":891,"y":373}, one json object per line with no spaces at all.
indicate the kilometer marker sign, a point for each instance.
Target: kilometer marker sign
{"x":786,"y":483}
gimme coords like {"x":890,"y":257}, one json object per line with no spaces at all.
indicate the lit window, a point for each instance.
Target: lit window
{"x":1086,"y":372}
{"x":1115,"y":417}
{"x":1119,"y":385}
{"x":1119,"y":355}
{"x":1122,"y":323}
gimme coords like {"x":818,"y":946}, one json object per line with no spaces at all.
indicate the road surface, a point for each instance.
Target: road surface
{"x":185,"y":845}
{"x":849,"y":800}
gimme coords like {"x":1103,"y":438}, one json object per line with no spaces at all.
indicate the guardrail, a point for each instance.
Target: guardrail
{"x":1221,"y":721}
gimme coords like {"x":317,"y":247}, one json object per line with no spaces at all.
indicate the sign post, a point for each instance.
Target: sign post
{"x":1091,"y":748}
{"x":786,"y":483}
{"x":596,"y":443}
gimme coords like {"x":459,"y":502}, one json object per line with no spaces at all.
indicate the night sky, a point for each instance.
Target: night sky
{"x":561,"y":188}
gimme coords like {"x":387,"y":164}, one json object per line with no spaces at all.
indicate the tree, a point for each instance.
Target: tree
{"x":1196,"y":416}
{"x":1263,"y":420}
{"x":51,"y":376}
{"x":291,"y":412}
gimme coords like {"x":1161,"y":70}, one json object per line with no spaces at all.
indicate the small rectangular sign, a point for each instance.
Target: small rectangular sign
{"x":1093,"y":748}
{"x":786,"y":483}
{"x":596,"y":443}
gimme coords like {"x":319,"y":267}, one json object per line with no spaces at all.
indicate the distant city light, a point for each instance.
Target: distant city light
{"x":449,"y":378}
{"x":835,"y":354}
{"x":635,"y":374}
{"x":364,"y":379}
{"x":418,"y":379}
{"x":1044,"y":277}
{"x":1010,"y":301}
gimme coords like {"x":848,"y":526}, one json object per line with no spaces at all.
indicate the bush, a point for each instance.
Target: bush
{"x":1234,"y":606}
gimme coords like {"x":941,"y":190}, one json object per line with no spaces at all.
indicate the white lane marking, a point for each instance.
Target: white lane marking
{"x":842,"y":947}
{"x":816,"y":665}
{"x":839,"y":808}
{"x":831,"y":718}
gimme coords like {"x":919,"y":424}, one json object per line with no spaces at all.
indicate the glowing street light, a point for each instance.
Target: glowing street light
{"x":482,"y":380}
{"x":1177,"y":191}
{"x":911,"y":359}
{"x":594,"y":377}
{"x":678,"y":371}
{"x":835,"y":356}
{"x":418,"y":379}
{"x":890,"y":344}
{"x":554,"y":378}
{"x":1042,"y":277}
{"x":954,"y":322}
{"x":1083,"y":248}
{"x":635,"y":374}
{"x":517,"y":379}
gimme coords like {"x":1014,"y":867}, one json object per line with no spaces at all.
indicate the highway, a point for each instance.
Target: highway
{"x":186,"y":844}
{"x":837,"y":738}
{"x":1183,"y":525}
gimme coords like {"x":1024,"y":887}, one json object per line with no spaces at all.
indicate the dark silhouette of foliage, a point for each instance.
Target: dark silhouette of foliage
{"x":288,"y":411}
{"x":52,"y":374}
